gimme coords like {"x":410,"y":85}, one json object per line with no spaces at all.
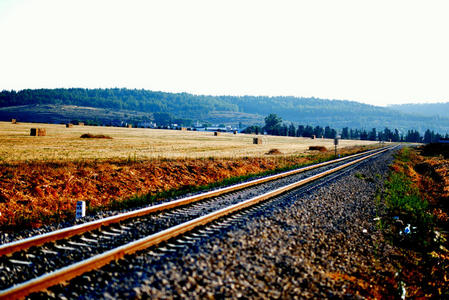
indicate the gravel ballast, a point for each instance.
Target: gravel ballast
{"x":319,"y":243}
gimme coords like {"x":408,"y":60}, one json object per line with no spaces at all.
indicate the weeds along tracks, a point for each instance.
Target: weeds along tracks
{"x":96,"y":248}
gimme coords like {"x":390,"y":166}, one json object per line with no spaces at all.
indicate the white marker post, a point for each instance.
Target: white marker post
{"x":80,"y":209}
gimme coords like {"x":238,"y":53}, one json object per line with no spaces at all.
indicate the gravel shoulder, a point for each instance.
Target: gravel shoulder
{"x":320,"y":243}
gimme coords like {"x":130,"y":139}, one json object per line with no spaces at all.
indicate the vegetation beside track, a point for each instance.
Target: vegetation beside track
{"x":33,"y":194}
{"x":416,"y":222}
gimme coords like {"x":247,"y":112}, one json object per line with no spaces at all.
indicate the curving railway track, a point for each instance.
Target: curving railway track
{"x":37,"y":263}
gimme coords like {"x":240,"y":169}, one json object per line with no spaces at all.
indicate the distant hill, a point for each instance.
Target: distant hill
{"x":58,"y":113}
{"x":424,"y":109}
{"x":184,"y":107}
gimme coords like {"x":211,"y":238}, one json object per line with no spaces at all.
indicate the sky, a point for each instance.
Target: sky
{"x":377,"y":52}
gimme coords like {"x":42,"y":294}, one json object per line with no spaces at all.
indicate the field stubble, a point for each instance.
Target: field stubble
{"x":61,"y":143}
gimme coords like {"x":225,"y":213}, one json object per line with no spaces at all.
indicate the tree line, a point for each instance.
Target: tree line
{"x":275,"y":126}
{"x":313,"y":111}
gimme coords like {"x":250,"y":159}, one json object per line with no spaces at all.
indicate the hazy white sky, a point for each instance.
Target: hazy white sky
{"x":377,"y":52}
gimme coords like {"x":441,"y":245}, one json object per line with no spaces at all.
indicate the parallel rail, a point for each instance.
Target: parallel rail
{"x":68,"y":232}
{"x":95,"y":262}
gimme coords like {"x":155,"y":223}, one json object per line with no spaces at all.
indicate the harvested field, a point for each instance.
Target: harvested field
{"x":41,"y":179}
{"x":137,"y":143}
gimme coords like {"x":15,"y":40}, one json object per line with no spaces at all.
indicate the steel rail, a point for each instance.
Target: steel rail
{"x":95,"y":262}
{"x":68,"y":232}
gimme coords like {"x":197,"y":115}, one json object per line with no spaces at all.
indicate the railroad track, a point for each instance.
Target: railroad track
{"x":91,"y":245}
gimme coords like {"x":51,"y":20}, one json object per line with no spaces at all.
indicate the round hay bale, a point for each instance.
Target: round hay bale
{"x":273,"y":152}
{"x":318,"y":148}
{"x":38,"y":132}
{"x":257,"y":141}
{"x":41,"y":132}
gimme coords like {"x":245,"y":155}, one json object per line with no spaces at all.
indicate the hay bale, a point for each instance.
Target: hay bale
{"x":216,"y":133}
{"x":183,"y":128}
{"x":235,"y":131}
{"x":80,"y":123}
{"x":69,"y":125}
{"x":38,"y":132}
{"x":257,"y":141}
{"x":318,"y":148}
{"x":273,"y":152}
{"x":13,"y":121}
{"x":130,"y":126}
{"x":313,"y":137}
{"x":95,"y":136}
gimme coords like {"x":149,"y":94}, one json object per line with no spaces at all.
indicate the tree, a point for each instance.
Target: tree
{"x":413,"y":136}
{"x":345,"y":133}
{"x":372,"y":136}
{"x":329,"y":133}
{"x":333,"y":133}
{"x":363,"y":135}
{"x":396,"y":137}
{"x":162,"y":119}
{"x":308,"y":131}
{"x":318,"y":131}
{"x":300,"y":131}
{"x":427,"y":137}
{"x":272,"y":124}
{"x":291,"y":130}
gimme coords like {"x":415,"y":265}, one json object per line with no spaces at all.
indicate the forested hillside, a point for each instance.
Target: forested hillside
{"x":337,"y":113}
{"x":229,"y":109}
{"x":424,"y":109}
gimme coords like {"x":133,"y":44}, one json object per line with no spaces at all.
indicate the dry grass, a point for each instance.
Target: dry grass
{"x":60,"y":144}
